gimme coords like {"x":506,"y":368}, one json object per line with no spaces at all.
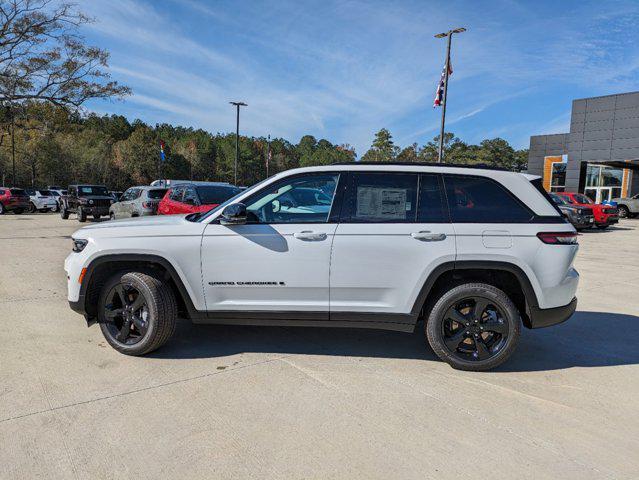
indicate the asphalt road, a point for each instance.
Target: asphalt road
{"x":289,"y":403}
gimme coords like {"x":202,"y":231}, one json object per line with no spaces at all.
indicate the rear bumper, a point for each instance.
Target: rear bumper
{"x":546,"y":317}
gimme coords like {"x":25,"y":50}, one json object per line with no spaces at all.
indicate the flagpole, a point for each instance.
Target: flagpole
{"x":449,"y":36}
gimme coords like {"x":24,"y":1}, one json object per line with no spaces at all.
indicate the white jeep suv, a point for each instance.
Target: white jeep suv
{"x":475,"y":253}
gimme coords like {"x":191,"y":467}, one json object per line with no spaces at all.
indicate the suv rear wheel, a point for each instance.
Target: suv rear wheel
{"x":137,"y":312}
{"x":474,"y":326}
{"x":624,"y":212}
{"x":82,"y":215}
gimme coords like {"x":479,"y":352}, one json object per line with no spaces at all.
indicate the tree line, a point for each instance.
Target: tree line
{"x":51,"y":145}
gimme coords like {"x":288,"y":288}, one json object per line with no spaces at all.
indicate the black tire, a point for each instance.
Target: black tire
{"x":624,"y":212}
{"x":82,"y":215}
{"x":1,"y":209}
{"x":160,"y":312}
{"x":111,"y":216}
{"x":64,"y":214}
{"x":32,"y":208}
{"x":18,"y":211}
{"x":493,"y":334}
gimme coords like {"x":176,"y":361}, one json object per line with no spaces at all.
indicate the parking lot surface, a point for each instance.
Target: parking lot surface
{"x":260,"y":402}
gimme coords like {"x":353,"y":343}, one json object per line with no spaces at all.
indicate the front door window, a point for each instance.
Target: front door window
{"x":304,"y":199}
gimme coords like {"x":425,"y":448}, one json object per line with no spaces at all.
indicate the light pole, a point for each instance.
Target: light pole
{"x":449,"y":36}
{"x":237,"y":138}
{"x":268,"y":153}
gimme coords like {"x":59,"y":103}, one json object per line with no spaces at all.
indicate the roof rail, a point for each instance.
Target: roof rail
{"x":481,"y":166}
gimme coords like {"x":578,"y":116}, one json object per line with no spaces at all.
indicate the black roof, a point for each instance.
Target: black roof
{"x":481,"y":166}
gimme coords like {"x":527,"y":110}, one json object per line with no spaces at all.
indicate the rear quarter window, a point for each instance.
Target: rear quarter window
{"x":483,"y":200}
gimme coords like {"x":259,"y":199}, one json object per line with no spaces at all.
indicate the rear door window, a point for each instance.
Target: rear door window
{"x":156,"y":194}
{"x":176,"y":194}
{"x":381,"y":198}
{"x":483,"y":200}
{"x":431,"y":202}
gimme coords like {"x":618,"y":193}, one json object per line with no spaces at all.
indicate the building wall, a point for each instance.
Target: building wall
{"x":602,"y":129}
{"x":542,"y":146}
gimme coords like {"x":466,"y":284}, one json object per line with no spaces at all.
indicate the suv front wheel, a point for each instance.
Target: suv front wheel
{"x":137,"y":312}
{"x":474,"y":326}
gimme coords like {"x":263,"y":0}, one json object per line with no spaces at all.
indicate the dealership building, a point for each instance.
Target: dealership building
{"x":600,"y":154}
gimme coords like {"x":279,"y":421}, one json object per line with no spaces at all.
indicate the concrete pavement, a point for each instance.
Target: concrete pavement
{"x":288,"y":403}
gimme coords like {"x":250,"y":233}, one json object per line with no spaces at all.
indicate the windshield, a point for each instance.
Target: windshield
{"x":157,"y":194}
{"x":17,"y":191}
{"x":582,"y":198}
{"x":45,"y":193}
{"x":92,"y":190}
{"x":557,"y":199}
{"x":210,"y":194}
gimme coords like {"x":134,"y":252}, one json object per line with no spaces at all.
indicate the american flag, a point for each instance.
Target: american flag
{"x":439,"y":94}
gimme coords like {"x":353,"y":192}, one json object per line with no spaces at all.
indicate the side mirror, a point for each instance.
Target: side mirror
{"x":234,"y":214}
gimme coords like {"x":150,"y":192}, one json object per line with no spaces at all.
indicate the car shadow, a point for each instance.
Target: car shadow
{"x":588,"y":339}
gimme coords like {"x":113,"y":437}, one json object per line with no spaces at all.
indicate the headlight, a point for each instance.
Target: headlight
{"x":90,"y":202}
{"x":79,"y":244}
{"x":112,"y":201}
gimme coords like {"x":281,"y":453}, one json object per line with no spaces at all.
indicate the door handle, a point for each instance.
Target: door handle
{"x":310,"y":235}
{"x":427,"y":236}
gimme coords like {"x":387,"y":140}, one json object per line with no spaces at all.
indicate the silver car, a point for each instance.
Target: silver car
{"x":628,"y":207}
{"x":137,"y":202}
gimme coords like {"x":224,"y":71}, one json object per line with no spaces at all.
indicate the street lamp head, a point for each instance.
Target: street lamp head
{"x":450,"y":32}
{"x":239,"y":104}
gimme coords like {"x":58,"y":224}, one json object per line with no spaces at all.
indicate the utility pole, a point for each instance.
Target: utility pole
{"x":13,"y":148}
{"x":449,"y":36}
{"x":268,"y":153}
{"x":237,"y":138}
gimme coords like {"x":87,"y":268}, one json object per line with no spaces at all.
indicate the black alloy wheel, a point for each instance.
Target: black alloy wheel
{"x":474,"y":329}
{"x":126,"y":312}
{"x":473,"y":326}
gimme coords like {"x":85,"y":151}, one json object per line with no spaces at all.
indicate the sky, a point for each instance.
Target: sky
{"x":341,"y":70}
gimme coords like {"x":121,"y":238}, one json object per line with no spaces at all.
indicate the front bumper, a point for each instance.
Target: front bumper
{"x":546,"y":317}
{"x":93,"y":210}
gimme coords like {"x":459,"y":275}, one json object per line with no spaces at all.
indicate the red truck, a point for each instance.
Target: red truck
{"x":605,"y":215}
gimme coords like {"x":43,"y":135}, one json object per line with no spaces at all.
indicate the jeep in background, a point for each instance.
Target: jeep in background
{"x":474,"y":253}
{"x":85,"y":200}
{"x":605,"y":215}
{"x":580,"y":217}
{"x":628,"y":206}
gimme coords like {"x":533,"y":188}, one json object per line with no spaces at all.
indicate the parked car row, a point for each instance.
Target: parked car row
{"x":583,"y":213}
{"x":177,"y":197}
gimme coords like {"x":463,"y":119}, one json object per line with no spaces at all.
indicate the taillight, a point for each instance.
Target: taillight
{"x":558,"y":238}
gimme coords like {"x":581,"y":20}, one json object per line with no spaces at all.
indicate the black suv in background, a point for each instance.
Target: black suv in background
{"x":85,"y":200}
{"x":580,"y":217}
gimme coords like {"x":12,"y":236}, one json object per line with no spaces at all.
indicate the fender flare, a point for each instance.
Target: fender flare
{"x":524,"y":281}
{"x":139,"y":257}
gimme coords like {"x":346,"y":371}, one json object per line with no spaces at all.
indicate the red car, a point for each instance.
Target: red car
{"x":195,"y":197}
{"x":13,"y":199}
{"x":605,"y":215}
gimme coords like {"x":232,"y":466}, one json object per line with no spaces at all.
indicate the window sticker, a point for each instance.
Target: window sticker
{"x":381,"y":202}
